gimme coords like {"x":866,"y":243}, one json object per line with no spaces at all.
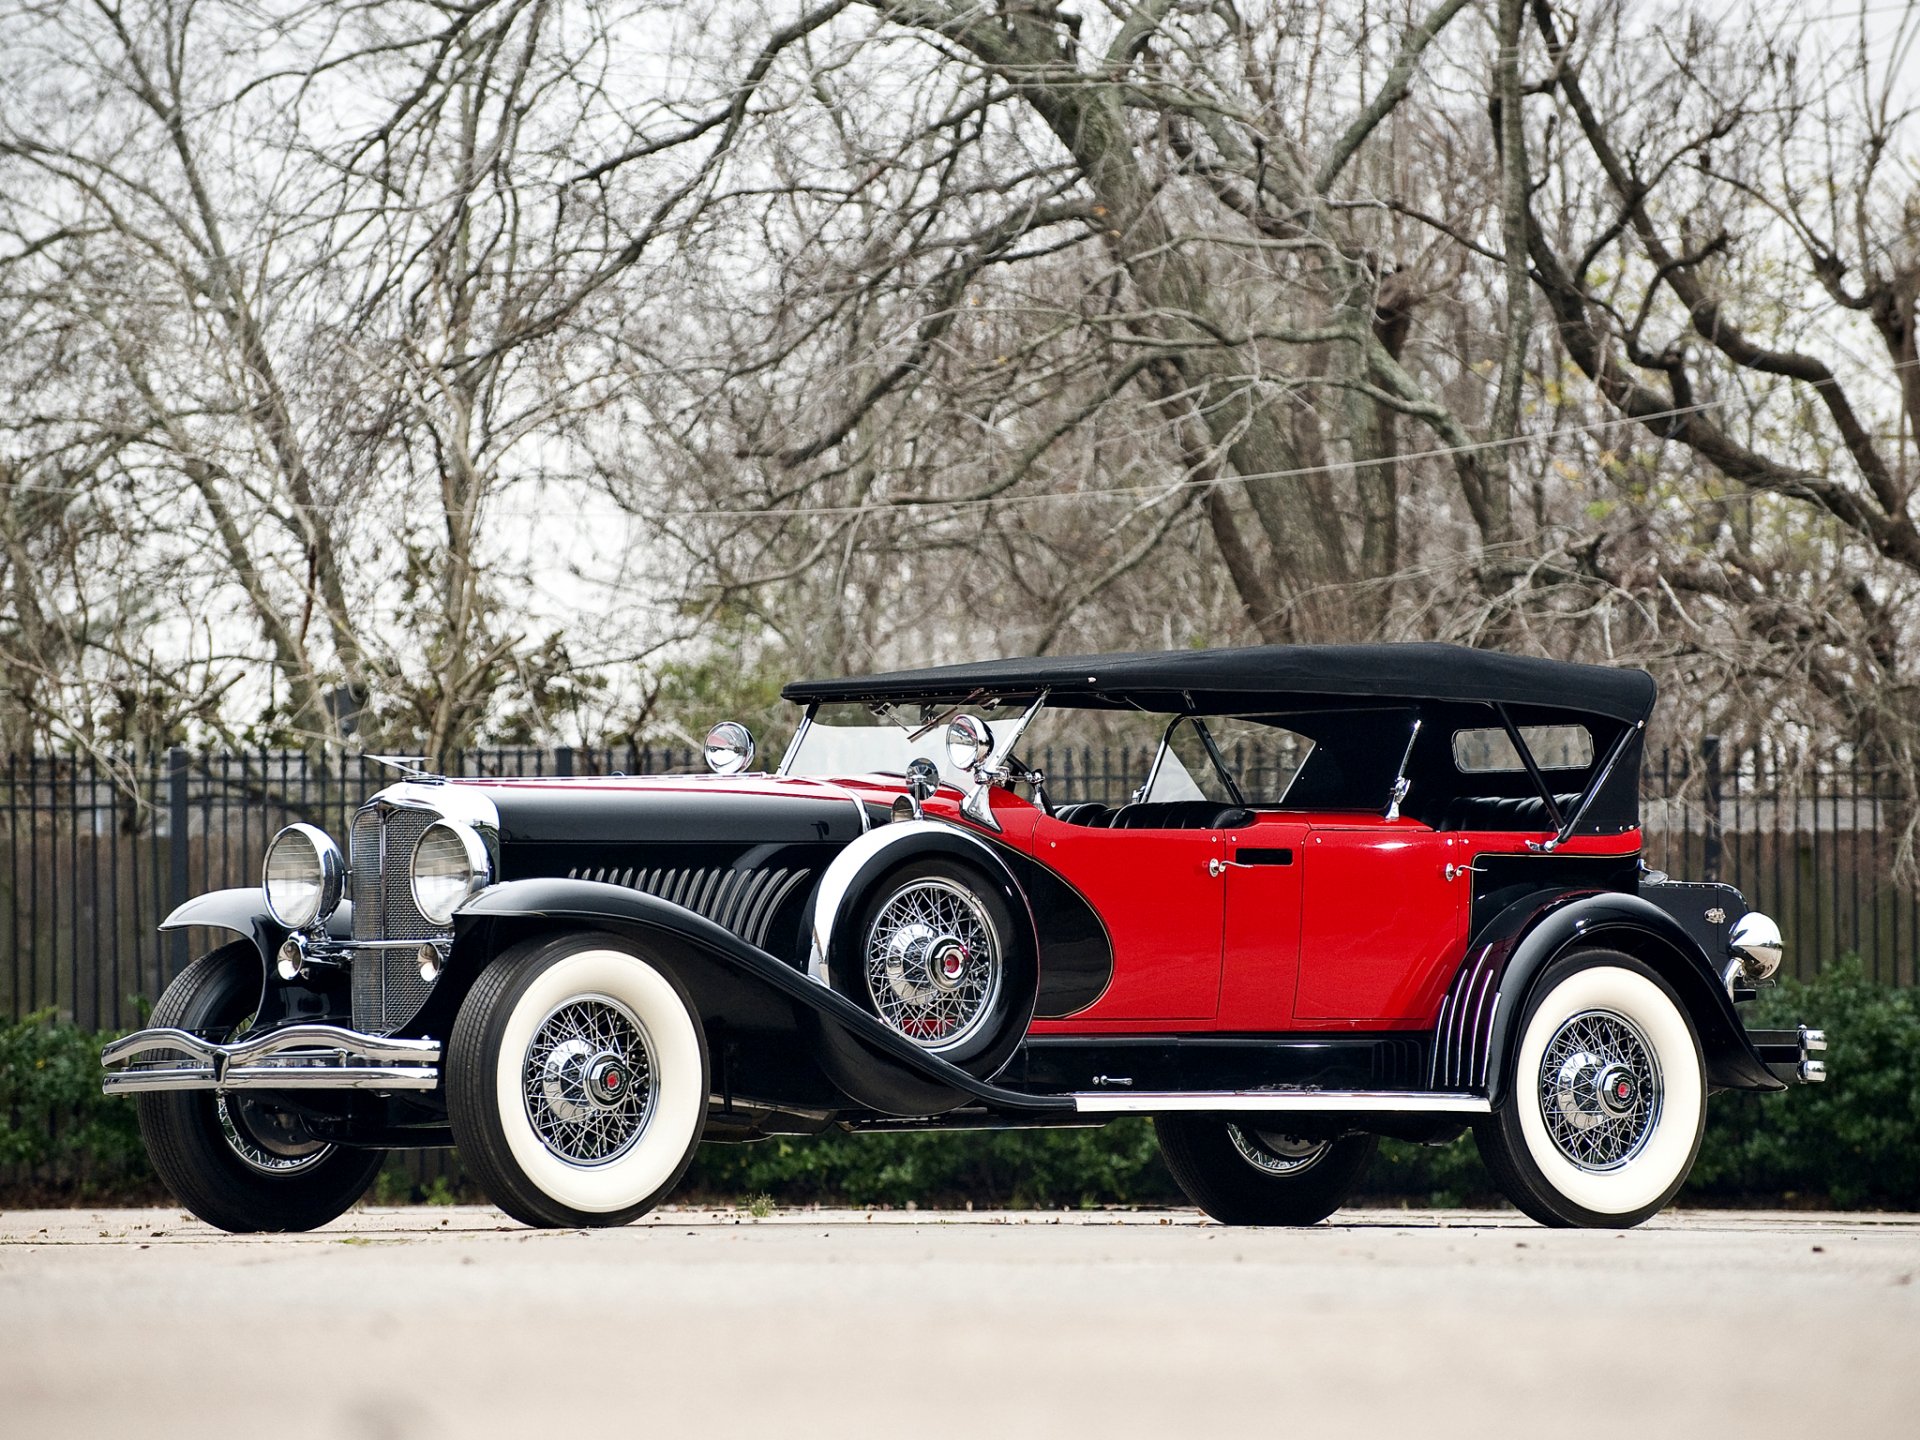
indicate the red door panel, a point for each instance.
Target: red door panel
{"x":1162,"y":909}
{"x":1381,"y":927}
{"x":1262,"y":951}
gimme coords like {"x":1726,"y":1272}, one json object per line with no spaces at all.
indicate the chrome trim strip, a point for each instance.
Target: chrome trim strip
{"x":274,"y":1077}
{"x":1338,"y":1102}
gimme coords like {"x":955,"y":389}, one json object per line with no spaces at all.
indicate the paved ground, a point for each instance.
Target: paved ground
{"x":394,"y":1324}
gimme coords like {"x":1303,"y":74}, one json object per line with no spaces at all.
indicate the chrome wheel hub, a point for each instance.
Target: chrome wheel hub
{"x":1277,"y":1154}
{"x":589,"y":1081}
{"x":932,"y":963}
{"x":1599,"y":1090}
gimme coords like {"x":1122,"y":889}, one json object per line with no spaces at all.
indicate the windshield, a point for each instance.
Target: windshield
{"x":851,"y":739}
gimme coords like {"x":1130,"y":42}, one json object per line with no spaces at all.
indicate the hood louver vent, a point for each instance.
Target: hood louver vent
{"x":743,"y":901}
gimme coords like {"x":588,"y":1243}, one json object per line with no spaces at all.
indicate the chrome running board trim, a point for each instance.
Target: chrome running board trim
{"x":1332,"y":1102}
{"x":297,"y":1057}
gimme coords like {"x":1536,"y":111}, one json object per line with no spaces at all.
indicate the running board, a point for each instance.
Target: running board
{"x":1324,"y":1102}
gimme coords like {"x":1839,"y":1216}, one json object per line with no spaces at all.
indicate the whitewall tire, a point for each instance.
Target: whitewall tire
{"x":577,"y":1081}
{"x":1606,"y":1101}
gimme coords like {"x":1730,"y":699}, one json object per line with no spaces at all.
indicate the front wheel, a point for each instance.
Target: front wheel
{"x":238,"y":1160}
{"x":1248,"y":1171}
{"x":1608,"y":1100}
{"x":576,"y":1082}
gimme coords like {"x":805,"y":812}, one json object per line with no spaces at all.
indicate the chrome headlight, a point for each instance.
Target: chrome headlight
{"x":1755,"y":940}
{"x":449,"y":864}
{"x":303,"y":877}
{"x":729,"y":748}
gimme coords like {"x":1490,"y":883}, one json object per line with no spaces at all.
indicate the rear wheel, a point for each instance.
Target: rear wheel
{"x":576,"y":1081}
{"x":237,"y":1160}
{"x":1246,"y":1170}
{"x":1608,"y":1100}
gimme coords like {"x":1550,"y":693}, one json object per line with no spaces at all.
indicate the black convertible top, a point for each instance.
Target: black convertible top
{"x":1257,"y":676}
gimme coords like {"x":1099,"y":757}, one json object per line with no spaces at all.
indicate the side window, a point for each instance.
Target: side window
{"x":1229,"y":760}
{"x":1186,"y":771}
{"x":1261,"y":755}
{"x":1554,"y":747}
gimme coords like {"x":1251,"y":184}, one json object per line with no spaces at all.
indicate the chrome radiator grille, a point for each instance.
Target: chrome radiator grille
{"x":387,"y":988}
{"x":379,"y":882}
{"x":743,"y":901}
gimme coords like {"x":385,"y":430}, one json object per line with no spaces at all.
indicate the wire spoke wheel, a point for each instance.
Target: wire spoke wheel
{"x":1275,"y":1154}
{"x":269,"y":1156}
{"x":1600,"y":1090}
{"x":589,"y":1080}
{"x":933,"y":963}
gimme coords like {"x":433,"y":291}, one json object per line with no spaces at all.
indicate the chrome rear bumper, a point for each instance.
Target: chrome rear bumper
{"x":299,"y":1057}
{"x":1789,"y":1053}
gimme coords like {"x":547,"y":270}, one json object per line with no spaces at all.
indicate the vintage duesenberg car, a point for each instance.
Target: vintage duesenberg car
{"x":1364,"y":891}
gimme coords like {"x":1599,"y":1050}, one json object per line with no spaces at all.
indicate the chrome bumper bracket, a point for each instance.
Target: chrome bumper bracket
{"x":297,"y":1057}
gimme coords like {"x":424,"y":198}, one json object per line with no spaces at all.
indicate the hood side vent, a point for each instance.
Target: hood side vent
{"x":742,"y":901}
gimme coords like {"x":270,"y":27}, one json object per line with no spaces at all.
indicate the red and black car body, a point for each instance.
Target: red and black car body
{"x":1352,"y":929}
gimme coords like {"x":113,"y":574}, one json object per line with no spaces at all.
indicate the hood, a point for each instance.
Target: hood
{"x":669,"y":809}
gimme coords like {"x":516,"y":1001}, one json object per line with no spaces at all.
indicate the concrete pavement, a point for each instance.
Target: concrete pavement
{"x":395,"y":1324}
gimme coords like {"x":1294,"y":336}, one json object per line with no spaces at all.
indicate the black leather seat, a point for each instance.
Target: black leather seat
{"x":1086,"y":812}
{"x":1181,"y":815}
{"x":1499,"y":812}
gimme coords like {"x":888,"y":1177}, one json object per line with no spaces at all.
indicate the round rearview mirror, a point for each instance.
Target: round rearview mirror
{"x":969,"y":742}
{"x":729,"y":748}
{"x":923,"y":777}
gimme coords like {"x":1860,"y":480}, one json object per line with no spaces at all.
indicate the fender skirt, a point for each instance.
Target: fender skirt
{"x":778,"y":1037}
{"x":1478,"y":1028}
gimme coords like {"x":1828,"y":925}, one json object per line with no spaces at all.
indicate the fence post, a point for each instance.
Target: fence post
{"x":563,"y":760}
{"x":177,"y":824}
{"x":1710,"y":842}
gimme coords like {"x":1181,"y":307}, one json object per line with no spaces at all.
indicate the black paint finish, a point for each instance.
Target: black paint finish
{"x":1054,"y":1063}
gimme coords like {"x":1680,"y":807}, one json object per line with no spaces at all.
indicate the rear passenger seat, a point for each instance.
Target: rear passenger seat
{"x":1499,"y":812}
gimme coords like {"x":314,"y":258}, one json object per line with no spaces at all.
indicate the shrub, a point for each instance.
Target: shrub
{"x":1853,"y":1142}
{"x":63,"y":1139}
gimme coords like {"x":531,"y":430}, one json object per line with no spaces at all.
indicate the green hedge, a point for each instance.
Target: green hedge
{"x":1853,"y":1142}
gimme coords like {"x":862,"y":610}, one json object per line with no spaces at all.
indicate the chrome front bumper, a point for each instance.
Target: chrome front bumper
{"x":299,"y":1057}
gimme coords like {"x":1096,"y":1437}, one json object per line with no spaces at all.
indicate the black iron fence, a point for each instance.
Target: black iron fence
{"x":94,"y":852}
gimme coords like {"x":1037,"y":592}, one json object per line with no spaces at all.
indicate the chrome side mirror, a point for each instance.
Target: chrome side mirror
{"x":729,"y":748}
{"x":969,"y":742}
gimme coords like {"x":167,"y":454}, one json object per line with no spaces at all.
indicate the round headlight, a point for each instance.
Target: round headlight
{"x":303,"y":877}
{"x":729,"y":748}
{"x":1756,"y":940}
{"x":969,"y":742}
{"x":449,"y":864}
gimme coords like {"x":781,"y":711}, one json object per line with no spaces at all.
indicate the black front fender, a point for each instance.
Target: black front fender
{"x":1534,"y":934}
{"x":789,"y":1040}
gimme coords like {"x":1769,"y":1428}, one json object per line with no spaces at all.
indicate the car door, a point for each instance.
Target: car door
{"x":1160,"y":896}
{"x":1260,"y":959}
{"x":1382,"y":923}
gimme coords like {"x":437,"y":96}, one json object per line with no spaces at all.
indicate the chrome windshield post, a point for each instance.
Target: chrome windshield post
{"x":793,"y":745}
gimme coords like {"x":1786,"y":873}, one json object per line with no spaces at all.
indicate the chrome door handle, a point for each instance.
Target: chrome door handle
{"x":1216,"y":868}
